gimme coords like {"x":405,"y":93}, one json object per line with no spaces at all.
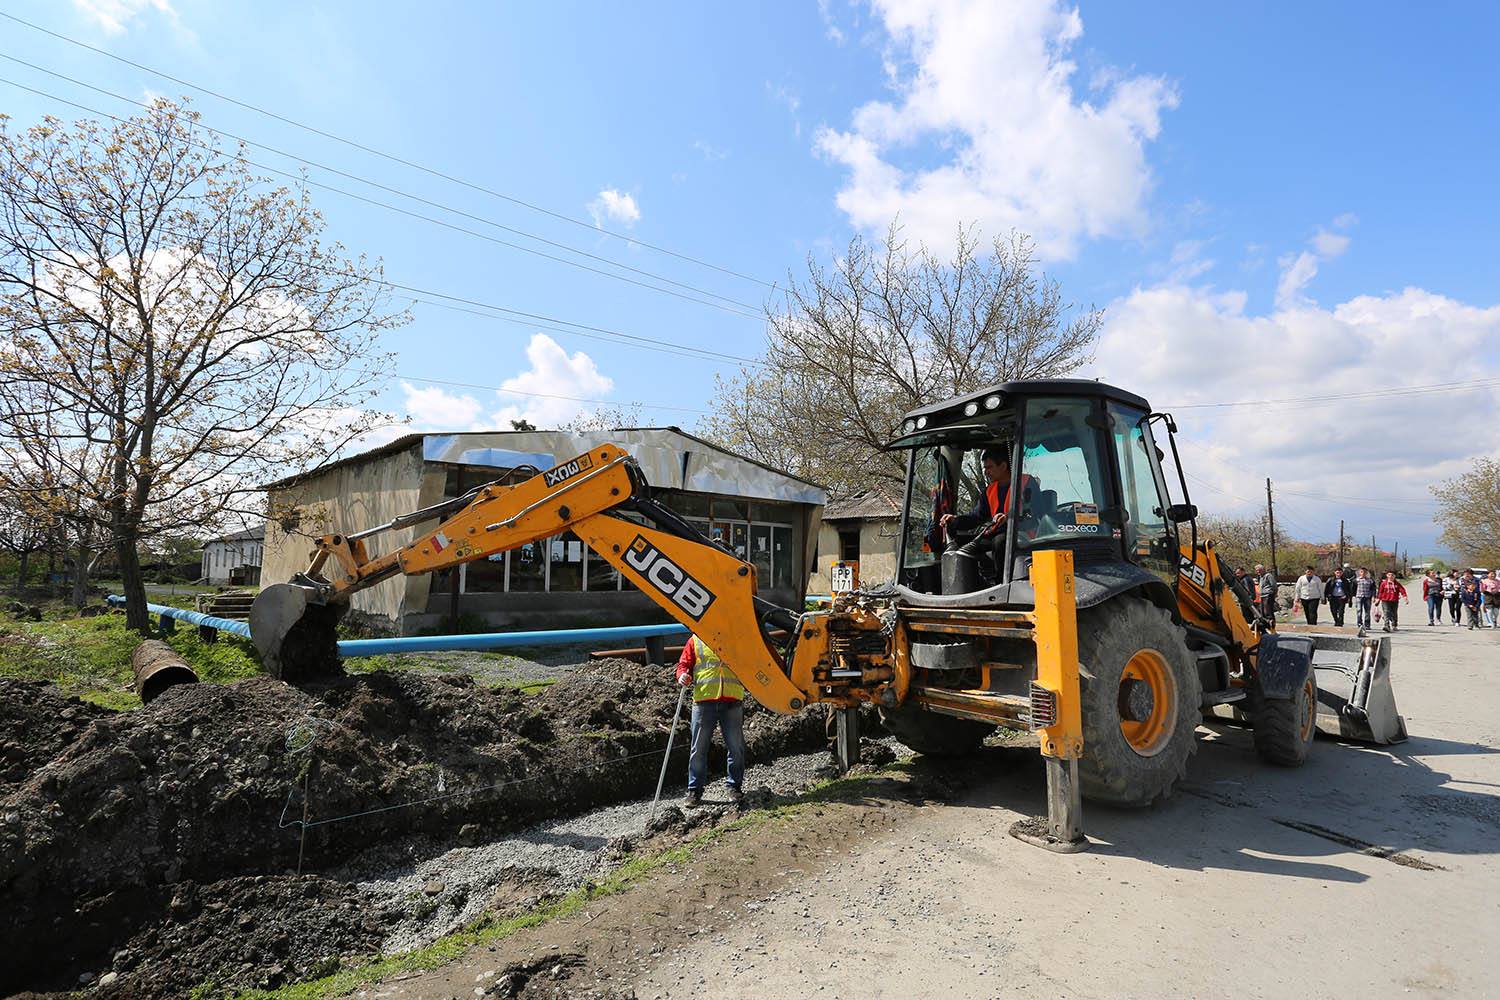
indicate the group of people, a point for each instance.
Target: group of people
{"x":1361,"y":590}
{"x":1472,"y":598}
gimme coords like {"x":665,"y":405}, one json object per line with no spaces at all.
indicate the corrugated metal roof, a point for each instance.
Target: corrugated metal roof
{"x":662,"y":453}
{"x":874,"y":504}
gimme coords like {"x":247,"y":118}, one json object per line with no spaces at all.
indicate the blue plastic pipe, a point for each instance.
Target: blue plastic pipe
{"x":241,"y":629}
{"x":500,"y":640}
{"x":439,"y":643}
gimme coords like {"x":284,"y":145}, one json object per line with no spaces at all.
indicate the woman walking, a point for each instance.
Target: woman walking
{"x":1432,"y":593}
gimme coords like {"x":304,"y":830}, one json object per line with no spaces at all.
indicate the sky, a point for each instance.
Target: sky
{"x":1289,"y":209}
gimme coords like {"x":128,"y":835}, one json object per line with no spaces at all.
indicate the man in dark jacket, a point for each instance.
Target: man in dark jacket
{"x":1337,"y":593}
{"x":993,"y":508}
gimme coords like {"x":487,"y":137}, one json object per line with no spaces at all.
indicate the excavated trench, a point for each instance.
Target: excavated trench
{"x":143,"y":853}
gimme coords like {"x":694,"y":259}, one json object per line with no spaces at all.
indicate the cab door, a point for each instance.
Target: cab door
{"x":1149,"y":537}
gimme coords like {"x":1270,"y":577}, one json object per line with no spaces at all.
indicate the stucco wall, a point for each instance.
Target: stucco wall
{"x":351,"y":498}
{"x":877,"y":552}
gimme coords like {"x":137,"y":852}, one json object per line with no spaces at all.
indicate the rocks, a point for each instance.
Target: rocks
{"x":433,"y":887}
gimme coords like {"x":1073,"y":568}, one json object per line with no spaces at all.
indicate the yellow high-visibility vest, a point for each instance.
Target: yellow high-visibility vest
{"x":711,"y":679}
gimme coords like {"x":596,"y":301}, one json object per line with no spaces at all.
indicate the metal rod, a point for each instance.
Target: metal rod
{"x":661,"y":779}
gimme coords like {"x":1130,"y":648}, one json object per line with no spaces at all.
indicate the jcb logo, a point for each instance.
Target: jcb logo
{"x":567,"y":471}
{"x":669,"y":578}
{"x":1193,"y":572}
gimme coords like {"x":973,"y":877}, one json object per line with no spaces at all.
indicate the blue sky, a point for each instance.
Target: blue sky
{"x":1271,"y":204}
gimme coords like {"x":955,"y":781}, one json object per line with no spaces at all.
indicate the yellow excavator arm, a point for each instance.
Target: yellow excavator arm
{"x":699,"y":584}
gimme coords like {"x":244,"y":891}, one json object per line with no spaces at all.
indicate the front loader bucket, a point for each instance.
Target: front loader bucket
{"x":296,"y":633}
{"x":1355,"y":700}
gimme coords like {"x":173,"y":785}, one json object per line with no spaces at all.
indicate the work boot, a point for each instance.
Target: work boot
{"x":693,"y":798}
{"x":736,"y":795}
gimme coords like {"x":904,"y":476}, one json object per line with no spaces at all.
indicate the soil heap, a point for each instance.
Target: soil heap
{"x":157,"y":843}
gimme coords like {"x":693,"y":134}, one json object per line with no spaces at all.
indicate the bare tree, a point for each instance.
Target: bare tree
{"x":606,"y":418}
{"x":23,"y":532}
{"x":882,"y":330}
{"x":176,"y":319}
{"x":1467,"y":508}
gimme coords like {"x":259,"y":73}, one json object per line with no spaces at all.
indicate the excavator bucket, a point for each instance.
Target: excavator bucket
{"x":296,"y":633}
{"x":1355,"y":700}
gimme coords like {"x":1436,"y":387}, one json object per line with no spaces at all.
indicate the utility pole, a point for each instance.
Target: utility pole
{"x":1340,"y":563}
{"x":1271,"y":521}
{"x":1374,"y":553}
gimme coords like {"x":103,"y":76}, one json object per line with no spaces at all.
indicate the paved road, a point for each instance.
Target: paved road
{"x":1212,"y":894}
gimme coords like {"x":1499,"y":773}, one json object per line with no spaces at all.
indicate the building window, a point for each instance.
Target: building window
{"x":849,"y":544}
{"x":528,"y":568}
{"x":760,"y":552}
{"x":566,"y":554}
{"x":783,"y":559}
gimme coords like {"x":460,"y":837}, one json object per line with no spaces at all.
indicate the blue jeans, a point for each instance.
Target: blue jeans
{"x":1362,"y":611}
{"x":1435,"y":608}
{"x":729,"y":717}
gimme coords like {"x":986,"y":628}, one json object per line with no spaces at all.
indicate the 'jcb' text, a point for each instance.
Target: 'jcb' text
{"x":669,"y":578}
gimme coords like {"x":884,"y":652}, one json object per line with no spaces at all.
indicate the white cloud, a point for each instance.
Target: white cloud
{"x":1179,"y":346}
{"x":789,"y":99}
{"x":614,"y":206}
{"x":830,"y":27}
{"x":988,"y":85}
{"x":709,"y":151}
{"x":114,"y":16}
{"x":436,"y":409}
{"x":552,"y":373}
{"x":1299,"y":269}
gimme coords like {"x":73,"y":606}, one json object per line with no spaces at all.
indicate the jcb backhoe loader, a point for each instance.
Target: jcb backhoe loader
{"x":1072,"y":607}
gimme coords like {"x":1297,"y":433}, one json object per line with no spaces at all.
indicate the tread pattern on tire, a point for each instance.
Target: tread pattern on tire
{"x":1108,"y":636}
{"x":1277,"y":726}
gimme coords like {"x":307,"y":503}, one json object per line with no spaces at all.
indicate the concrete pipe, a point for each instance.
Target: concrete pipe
{"x":157,"y":667}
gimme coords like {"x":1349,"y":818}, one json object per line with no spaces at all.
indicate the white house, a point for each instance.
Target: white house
{"x":234,"y":558}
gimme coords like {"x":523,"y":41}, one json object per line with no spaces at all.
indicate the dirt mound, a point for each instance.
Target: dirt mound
{"x":36,"y":724}
{"x":206,"y":783}
{"x":243,"y":933}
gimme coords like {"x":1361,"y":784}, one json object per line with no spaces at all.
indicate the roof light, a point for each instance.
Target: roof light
{"x":992,"y":403}
{"x":970,"y":409}
{"x":921,"y":422}
{"x":911,"y":425}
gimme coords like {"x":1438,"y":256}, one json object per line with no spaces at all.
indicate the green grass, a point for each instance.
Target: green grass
{"x":90,"y":657}
{"x":489,"y":930}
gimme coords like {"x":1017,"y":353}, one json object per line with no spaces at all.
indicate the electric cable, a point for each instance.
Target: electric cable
{"x":387,"y":156}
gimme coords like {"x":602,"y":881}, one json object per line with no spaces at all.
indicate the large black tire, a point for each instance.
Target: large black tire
{"x":934,"y":734}
{"x":1284,"y":728}
{"x":1131,"y":632}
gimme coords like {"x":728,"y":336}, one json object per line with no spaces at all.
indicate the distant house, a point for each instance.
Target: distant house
{"x":234,"y":559}
{"x":863,"y":529}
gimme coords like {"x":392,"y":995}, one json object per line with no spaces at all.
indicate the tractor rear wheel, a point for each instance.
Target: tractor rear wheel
{"x":932,"y":733}
{"x":1140,"y":697}
{"x":1284,"y":728}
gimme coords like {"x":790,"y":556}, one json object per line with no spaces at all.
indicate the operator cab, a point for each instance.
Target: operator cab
{"x":1021,"y":466}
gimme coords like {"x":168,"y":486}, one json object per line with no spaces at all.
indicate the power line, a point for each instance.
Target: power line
{"x":389,"y":156}
{"x":1304,"y":401}
{"x":393,"y":208}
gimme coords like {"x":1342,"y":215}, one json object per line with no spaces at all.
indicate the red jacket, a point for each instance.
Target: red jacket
{"x":1390,"y":590}
{"x":1430,"y":586}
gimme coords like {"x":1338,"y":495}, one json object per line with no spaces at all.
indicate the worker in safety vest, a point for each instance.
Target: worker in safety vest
{"x":994,"y":504}
{"x":718,"y":701}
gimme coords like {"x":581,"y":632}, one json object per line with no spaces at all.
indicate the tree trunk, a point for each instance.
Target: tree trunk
{"x":134,"y":584}
{"x":21,"y":573}
{"x":81,"y":571}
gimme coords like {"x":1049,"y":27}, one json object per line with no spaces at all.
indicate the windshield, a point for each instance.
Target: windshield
{"x":1062,"y":474}
{"x":967,"y":479}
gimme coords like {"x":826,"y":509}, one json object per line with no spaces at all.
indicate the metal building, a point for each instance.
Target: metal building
{"x":764,"y":515}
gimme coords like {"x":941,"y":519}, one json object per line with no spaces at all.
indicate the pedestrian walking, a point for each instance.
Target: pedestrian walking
{"x":1432,"y":593}
{"x":1450,"y":593}
{"x":1490,"y":588}
{"x":1364,"y":596}
{"x":1337,"y":592}
{"x":1389,"y":592}
{"x":1471,"y":596}
{"x":718,"y":702}
{"x":1265,"y":586}
{"x":1309,"y":592}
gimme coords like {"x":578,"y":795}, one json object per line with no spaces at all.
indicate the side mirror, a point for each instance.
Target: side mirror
{"x":1179,"y":512}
